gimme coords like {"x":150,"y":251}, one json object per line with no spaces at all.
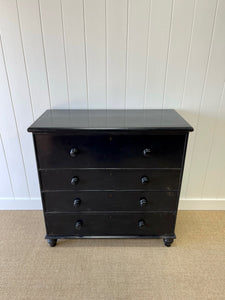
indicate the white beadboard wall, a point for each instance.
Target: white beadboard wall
{"x":113,"y":54}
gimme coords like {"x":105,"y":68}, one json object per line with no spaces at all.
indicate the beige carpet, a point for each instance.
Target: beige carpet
{"x":193,"y":268}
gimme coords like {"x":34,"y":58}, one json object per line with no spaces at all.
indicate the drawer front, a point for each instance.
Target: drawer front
{"x":98,"y":179}
{"x":100,"y":151}
{"x":110,"y":224}
{"x":109,"y":201}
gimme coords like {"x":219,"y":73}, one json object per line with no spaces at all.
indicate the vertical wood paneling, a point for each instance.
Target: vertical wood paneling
{"x":218,"y":152}
{"x":214,"y":82}
{"x":138,"y":15}
{"x":95,"y":30}
{"x":72,"y":13}
{"x":17,"y":74}
{"x":113,"y":54}
{"x":215,"y":177}
{"x":195,"y":75}
{"x":5,"y":186}
{"x":181,"y":29}
{"x":160,"y":18}
{"x":116,"y":18}
{"x":51,"y":19}
{"x":9,"y":135}
{"x":33,"y":49}
{"x":215,"y":167}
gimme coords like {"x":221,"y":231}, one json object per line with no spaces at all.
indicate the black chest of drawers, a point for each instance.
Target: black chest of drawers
{"x":110,"y":173}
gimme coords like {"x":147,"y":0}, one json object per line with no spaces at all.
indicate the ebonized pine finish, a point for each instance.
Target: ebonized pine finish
{"x":111,"y":173}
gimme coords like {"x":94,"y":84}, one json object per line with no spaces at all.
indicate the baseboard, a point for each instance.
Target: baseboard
{"x":199,"y":204}
{"x":185,"y":204}
{"x":20,"y":204}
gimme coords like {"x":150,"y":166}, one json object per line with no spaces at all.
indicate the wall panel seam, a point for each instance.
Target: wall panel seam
{"x":221,"y":179}
{"x":14,"y":114}
{"x":147,"y":53}
{"x":127,"y":49}
{"x":168,"y":52}
{"x":24,"y":59}
{"x":106,"y":56}
{"x":203,"y":90}
{"x":10,"y":180}
{"x":189,"y":53}
{"x":213,"y":138}
{"x":85,"y":54}
{"x":64,"y":52}
{"x":43,"y":47}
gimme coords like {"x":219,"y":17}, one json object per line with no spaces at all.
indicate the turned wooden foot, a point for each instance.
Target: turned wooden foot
{"x":168,"y":242}
{"x":52,"y":242}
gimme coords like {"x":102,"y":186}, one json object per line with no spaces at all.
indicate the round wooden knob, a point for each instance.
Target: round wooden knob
{"x":141,"y":223}
{"x":78,"y":225}
{"x":147,"y":152}
{"x":144,"y":179}
{"x":76,"y":202}
{"x":143,"y":201}
{"x":75,"y":180}
{"x":74,"y":152}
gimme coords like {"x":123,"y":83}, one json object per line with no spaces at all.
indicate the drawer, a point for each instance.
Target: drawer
{"x":110,"y":224}
{"x":110,"y":179}
{"x":109,"y":201}
{"x":100,"y":151}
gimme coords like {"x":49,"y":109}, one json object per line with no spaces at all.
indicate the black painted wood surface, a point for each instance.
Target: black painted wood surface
{"x":110,"y":173}
{"x":97,"y":151}
{"x":57,"y":120}
{"x":87,"y":201}
{"x":110,"y":179}
{"x":161,"y":223}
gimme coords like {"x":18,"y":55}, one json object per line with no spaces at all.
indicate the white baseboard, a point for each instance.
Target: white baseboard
{"x":20,"y":204}
{"x":185,"y":204}
{"x":199,"y":204}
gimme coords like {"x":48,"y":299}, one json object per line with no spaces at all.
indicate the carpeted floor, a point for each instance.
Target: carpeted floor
{"x":193,"y":268}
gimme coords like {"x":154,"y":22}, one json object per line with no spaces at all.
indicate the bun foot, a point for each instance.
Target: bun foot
{"x":168,"y":242}
{"x":52,"y":242}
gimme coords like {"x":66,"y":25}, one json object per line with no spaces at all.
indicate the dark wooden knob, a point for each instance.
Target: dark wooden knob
{"x":147,"y":152}
{"x":74,"y":152}
{"x":76,"y":202}
{"x":75,"y":180}
{"x":78,"y":225}
{"x":144,"y":180}
{"x":141,"y":223}
{"x":143,"y":201}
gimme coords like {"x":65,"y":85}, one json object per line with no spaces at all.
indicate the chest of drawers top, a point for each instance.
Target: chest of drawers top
{"x":155,"y":120}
